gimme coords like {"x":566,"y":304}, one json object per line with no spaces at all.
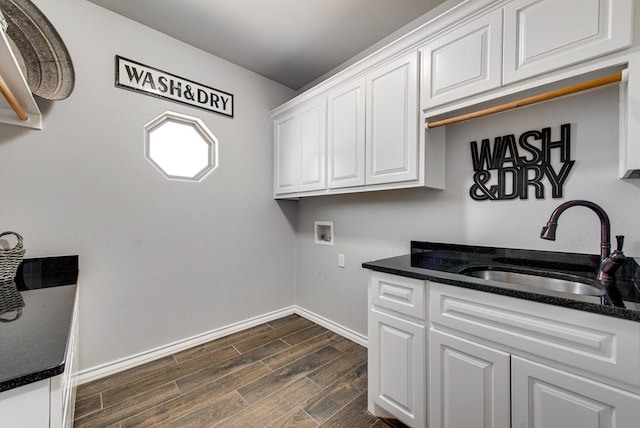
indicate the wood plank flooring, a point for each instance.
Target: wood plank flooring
{"x":289,"y":372}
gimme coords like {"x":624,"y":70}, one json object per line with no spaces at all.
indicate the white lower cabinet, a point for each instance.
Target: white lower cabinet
{"x":468,"y":384}
{"x":544,"y":397}
{"x":492,"y":361}
{"x":397,"y":348}
{"x":398,"y":367}
{"x":64,"y":387}
{"x":506,"y":362}
{"x":49,"y":402}
{"x":472,"y":385}
{"x":26,"y":406}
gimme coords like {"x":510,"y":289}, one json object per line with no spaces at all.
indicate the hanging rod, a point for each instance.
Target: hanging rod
{"x":606,"y":80}
{"x":8,"y":95}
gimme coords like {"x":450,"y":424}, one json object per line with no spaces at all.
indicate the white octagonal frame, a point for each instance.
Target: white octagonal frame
{"x":201,"y":130}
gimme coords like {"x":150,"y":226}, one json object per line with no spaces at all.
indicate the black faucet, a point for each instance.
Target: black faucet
{"x":609,"y":264}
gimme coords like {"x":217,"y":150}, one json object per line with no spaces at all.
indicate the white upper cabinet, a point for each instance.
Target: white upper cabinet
{"x":300,"y":146}
{"x":545,"y":35}
{"x":362,"y":129}
{"x":392,"y":121}
{"x":361,"y":135}
{"x":286,"y":153}
{"x":522,"y":39}
{"x":345,"y":136}
{"x":463,"y":62}
{"x":312,"y":146}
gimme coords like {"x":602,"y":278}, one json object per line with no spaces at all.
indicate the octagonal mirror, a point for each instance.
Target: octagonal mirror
{"x":180,"y":146}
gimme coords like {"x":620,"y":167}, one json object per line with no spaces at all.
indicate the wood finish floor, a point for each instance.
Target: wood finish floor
{"x":289,"y":372}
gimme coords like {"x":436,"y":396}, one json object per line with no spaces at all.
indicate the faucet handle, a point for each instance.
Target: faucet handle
{"x":619,"y":242}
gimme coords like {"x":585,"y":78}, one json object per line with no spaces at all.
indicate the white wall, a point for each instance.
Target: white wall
{"x":381,"y":224}
{"x":160,"y":260}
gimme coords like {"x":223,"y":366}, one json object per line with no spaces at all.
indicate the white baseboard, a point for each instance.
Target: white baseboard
{"x":113,"y":367}
{"x":122,"y":364}
{"x":330,"y":325}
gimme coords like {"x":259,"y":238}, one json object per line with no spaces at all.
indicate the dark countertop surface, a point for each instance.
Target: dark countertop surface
{"x":443,"y":263}
{"x":36,"y":311}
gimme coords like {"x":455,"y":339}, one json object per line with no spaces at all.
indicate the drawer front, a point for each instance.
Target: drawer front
{"x":602,"y":345}
{"x":400,"y":294}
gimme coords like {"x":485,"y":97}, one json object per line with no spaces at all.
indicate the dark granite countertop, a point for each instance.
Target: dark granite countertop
{"x":36,"y":311}
{"x":443,"y":263}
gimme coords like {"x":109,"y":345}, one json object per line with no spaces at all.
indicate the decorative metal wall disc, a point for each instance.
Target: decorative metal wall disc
{"x":44,"y":58}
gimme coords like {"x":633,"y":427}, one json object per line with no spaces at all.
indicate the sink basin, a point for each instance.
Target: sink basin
{"x":535,"y":280}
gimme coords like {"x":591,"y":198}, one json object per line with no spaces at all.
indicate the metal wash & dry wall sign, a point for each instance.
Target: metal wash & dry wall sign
{"x":138,"y":77}
{"x":515,"y":166}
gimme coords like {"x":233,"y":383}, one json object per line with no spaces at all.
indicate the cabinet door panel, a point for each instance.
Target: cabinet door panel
{"x":544,"y":397}
{"x":312,"y":147}
{"x":468,"y":384}
{"x":392,"y":121}
{"x":463,"y":62}
{"x":345,"y":137}
{"x":300,"y":149}
{"x":397,"y":379}
{"x":544,"y":35}
{"x":286,"y":139}
{"x":26,"y":406}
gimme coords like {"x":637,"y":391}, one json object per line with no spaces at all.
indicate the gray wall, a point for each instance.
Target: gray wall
{"x":160,"y":260}
{"x":381,"y":224}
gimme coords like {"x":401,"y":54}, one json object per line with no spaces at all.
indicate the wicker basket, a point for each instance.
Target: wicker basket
{"x":10,"y":300}
{"x":10,"y":259}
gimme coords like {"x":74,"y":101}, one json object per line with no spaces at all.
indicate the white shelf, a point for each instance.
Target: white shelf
{"x":13,"y":77}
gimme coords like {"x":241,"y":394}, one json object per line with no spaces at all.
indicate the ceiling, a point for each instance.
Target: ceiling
{"x":290,"y":41}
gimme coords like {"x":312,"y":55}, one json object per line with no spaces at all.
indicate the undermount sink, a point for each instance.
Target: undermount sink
{"x":532,"y":279}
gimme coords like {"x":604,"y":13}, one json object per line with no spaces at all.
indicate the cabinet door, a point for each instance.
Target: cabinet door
{"x":469,"y":384}
{"x":345,"y":136}
{"x":543,"y":397}
{"x":544,"y":35}
{"x":464,"y":62}
{"x":286,"y":153}
{"x":300,"y":149}
{"x":392,"y":122}
{"x":26,"y":406}
{"x":397,"y":367}
{"x":312,"y":161}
